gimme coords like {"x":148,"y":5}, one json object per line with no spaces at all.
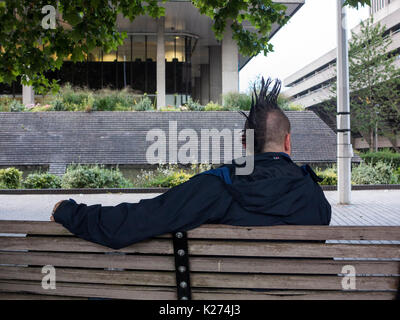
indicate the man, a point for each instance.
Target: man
{"x":277,"y":192}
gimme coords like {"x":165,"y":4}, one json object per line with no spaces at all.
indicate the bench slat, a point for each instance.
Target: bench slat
{"x":204,"y":264}
{"x":91,"y":290}
{"x":133,"y":292}
{"x":290,"y":295}
{"x":231,"y":232}
{"x":212,"y":280}
{"x":22,"y":296}
{"x":213,"y":248}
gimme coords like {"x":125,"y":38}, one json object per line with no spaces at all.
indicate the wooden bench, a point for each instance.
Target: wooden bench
{"x":282,"y":262}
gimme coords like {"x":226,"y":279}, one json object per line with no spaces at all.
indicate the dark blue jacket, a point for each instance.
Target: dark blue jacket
{"x":278,"y":192}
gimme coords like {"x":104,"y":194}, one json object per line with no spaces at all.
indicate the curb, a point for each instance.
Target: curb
{"x":162,"y":190}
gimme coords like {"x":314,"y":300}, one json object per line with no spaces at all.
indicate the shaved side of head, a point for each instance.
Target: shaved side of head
{"x":276,"y":129}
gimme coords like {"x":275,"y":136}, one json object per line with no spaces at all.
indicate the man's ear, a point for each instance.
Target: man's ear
{"x":288,"y":144}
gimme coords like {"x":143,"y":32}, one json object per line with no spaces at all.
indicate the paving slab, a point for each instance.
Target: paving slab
{"x":370,"y":208}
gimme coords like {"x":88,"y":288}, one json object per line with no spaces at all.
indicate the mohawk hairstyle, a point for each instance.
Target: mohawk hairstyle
{"x":263,"y":105}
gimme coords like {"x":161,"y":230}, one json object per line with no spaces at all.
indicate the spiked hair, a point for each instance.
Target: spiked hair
{"x":266,"y":118}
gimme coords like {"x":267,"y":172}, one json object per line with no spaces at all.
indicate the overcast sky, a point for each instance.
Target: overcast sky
{"x":307,"y":36}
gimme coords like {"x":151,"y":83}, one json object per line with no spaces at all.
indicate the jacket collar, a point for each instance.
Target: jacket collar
{"x":272,"y":155}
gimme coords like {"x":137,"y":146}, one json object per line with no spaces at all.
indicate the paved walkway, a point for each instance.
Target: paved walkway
{"x":374,"y":207}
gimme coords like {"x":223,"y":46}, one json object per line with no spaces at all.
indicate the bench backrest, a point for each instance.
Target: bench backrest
{"x":281,"y":262}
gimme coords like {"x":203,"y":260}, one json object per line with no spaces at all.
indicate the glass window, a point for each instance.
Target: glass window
{"x":124,"y":50}
{"x":109,"y":57}
{"x":152,"y":48}
{"x":139,"y":51}
{"x":175,"y":48}
{"x":95,"y":55}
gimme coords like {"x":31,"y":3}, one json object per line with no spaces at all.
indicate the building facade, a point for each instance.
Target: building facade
{"x":311,"y":85}
{"x":171,"y":58}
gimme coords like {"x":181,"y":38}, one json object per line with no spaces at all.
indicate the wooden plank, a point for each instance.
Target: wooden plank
{"x":148,"y":293}
{"x":206,"y":280}
{"x":309,"y":250}
{"x":21,"y":296}
{"x":32,"y":227}
{"x":204,"y":264}
{"x":73,"y":244}
{"x":231,"y":232}
{"x":89,"y":260}
{"x":212,"y":248}
{"x":198,"y":294}
{"x":91,"y":290}
{"x":291,"y":232}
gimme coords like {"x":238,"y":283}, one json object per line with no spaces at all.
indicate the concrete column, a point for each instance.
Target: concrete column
{"x":230,"y":63}
{"x":160,"y":63}
{"x":344,"y":147}
{"x":28,"y":95}
{"x":215,"y":74}
{"x":205,"y":84}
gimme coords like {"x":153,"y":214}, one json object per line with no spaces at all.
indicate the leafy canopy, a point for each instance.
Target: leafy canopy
{"x":29,"y":50}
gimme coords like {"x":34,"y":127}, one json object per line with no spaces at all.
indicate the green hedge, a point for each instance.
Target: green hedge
{"x":374,"y":173}
{"x":42,"y":181}
{"x":236,"y":100}
{"x":385,"y":156}
{"x":94,"y":177}
{"x":10,"y":178}
{"x":329,"y":177}
{"x":172,"y":180}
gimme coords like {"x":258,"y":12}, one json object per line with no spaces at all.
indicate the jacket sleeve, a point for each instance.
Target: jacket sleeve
{"x":202,"y":199}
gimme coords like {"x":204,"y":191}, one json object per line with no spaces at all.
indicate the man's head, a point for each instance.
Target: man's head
{"x":270,"y":124}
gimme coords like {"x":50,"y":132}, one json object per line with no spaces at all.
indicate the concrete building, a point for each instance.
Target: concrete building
{"x":311,"y":85}
{"x":171,"y":58}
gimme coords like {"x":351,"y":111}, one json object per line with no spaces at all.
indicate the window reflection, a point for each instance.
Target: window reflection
{"x":133,"y":64}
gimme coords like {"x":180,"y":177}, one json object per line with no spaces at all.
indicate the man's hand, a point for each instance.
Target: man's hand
{"x":54,"y":209}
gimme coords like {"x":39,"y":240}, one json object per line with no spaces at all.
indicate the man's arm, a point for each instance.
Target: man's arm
{"x":202,"y":199}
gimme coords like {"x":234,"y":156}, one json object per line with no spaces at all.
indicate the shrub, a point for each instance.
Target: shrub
{"x":16,"y":106}
{"x":194,"y":105}
{"x":170,"y":108}
{"x":42,"y":181}
{"x":329,"y":177}
{"x":4,"y":104}
{"x":41,"y":108}
{"x":211,"y":106}
{"x":386,"y":156}
{"x":10,"y":178}
{"x":172,"y":180}
{"x":294,"y":107}
{"x":143,"y":104}
{"x":236,"y":100}
{"x":379,"y":173}
{"x":73,"y":96}
{"x":395,"y":177}
{"x":11,"y":105}
{"x":109,"y":100}
{"x":94,"y":177}
{"x":58,"y":104}
{"x":167,"y":176}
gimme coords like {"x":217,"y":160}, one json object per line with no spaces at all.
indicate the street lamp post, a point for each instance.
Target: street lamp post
{"x":344,"y":147}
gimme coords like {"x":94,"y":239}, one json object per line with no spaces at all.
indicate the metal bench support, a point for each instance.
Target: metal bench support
{"x":182,"y":270}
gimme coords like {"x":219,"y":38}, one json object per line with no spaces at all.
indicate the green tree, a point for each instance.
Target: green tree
{"x":374,"y":83}
{"x":29,"y":50}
